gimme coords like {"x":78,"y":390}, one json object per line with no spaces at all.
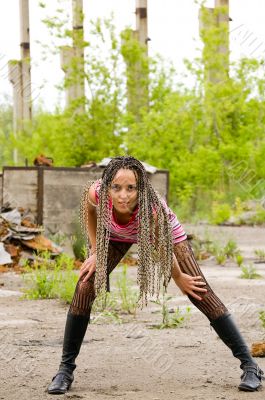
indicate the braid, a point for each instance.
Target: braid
{"x":155,"y":252}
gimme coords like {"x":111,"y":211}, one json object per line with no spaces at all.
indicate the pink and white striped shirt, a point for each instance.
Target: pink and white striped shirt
{"x":129,"y":232}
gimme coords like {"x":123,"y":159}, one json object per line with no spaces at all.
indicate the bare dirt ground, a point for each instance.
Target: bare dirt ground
{"x":131,"y":361}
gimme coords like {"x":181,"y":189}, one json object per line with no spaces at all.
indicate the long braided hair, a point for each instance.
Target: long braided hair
{"x":155,"y":249}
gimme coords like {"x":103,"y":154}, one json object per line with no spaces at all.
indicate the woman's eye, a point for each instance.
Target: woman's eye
{"x":131,"y":188}
{"x":115,"y":187}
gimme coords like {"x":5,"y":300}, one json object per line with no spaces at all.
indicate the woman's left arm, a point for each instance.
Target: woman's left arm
{"x":188,"y":284}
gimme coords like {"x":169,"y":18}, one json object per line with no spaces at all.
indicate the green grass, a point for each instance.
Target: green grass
{"x":249,"y":272}
{"x":49,"y":279}
{"x":128,"y":297}
{"x":170,"y":320}
{"x":239,"y":259}
{"x":260,"y":254}
{"x":226,"y":252}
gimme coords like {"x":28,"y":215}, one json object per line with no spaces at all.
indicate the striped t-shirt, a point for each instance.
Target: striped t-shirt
{"x":129,"y":232}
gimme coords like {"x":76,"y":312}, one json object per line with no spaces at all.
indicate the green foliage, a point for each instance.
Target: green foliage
{"x":127,"y":295}
{"x":228,"y":251}
{"x":220,"y":257}
{"x":105,"y":309}
{"x":78,"y":242}
{"x":239,"y":213}
{"x":48,"y":280}
{"x":231,"y":249}
{"x":59,"y":238}
{"x":91,"y":127}
{"x":176,"y":320}
{"x":259,"y":217}
{"x":220,"y":213}
{"x":260,"y":254}
{"x":239,"y":259}
{"x":249,"y":272}
{"x":6,"y":118}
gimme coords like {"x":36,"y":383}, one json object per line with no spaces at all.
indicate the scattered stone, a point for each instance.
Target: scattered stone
{"x":258,"y":349}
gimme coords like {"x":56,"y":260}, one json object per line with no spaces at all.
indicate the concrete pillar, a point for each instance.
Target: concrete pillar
{"x":141,"y":22}
{"x":137,"y":69}
{"x":78,"y":42}
{"x":25,"y":58}
{"x":72,"y":58}
{"x":15,"y":77}
{"x":67,"y":55}
{"x":223,"y":22}
{"x":215,"y":21}
{"x":20,"y":76}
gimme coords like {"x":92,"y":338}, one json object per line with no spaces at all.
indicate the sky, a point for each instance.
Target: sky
{"x":172,"y":26}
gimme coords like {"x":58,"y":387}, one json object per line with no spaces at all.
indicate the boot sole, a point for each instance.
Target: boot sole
{"x":248,"y":389}
{"x":58,"y":391}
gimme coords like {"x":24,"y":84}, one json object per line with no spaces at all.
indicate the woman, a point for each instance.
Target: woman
{"x":123,"y":208}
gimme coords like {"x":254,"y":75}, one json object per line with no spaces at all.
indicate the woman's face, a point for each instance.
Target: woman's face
{"x":123,"y":191}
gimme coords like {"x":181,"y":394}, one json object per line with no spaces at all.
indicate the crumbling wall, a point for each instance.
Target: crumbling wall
{"x":20,"y":187}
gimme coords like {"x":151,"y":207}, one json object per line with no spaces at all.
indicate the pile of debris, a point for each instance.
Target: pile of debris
{"x":21,"y":238}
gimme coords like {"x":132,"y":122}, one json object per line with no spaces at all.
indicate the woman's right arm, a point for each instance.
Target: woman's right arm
{"x":92,"y":218}
{"x":89,"y":265}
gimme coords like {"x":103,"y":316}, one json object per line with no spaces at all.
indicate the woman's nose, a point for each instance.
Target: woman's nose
{"x":123,"y":194}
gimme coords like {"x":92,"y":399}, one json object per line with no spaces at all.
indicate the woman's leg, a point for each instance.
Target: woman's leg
{"x":220,"y":319}
{"x":78,"y":318}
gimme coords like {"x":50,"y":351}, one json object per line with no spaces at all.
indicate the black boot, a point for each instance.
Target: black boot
{"x":227,"y":330}
{"x":75,"y":329}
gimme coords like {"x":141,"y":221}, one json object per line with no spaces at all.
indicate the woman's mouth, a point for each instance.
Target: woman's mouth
{"x":124,"y":206}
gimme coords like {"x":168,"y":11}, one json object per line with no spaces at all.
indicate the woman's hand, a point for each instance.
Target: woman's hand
{"x":190,"y":284}
{"x":88,"y":268}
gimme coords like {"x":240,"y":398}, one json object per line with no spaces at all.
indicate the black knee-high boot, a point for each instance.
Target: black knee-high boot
{"x":75,"y":329}
{"x":227,"y":330}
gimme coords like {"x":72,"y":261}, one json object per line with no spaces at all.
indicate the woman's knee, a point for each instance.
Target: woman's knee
{"x":83,"y":298}
{"x":210,"y":305}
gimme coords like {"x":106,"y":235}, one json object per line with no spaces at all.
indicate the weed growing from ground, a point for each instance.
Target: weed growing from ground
{"x":229,"y":251}
{"x":249,"y":272}
{"x":260,"y":254}
{"x":121,"y":300}
{"x":176,"y":320}
{"x":239,"y":259}
{"x":47,"y":279}
{"x":127,"y":295}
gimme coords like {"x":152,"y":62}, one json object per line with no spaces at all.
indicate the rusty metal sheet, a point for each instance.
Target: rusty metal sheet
{"x":41,"y":243}
{"x":12,"y":250}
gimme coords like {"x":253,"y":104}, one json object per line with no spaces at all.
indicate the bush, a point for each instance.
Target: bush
{"x":220,"y":213}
